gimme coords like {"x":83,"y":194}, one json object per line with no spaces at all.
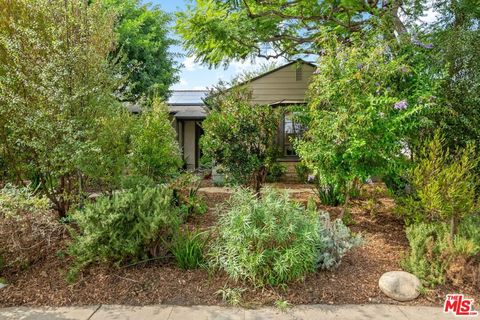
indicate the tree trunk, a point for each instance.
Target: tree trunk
{"x":453,"y":227}
{"x":258,"y":180}
{"x":345,"y":204}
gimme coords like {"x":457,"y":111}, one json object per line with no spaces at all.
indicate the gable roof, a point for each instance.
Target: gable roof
{"x":301,"y":61}
{"x":189,"y":104}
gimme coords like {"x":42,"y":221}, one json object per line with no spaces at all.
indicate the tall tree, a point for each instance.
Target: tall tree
{"x":56,"y":99}
{"x":456,"y":52}
{"x":219,"y":31}
{"x":364,"y":103}
{"x":143,"y":38}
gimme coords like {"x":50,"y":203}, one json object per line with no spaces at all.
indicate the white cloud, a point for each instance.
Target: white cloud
{"x":242,"y":66}
{"x":199,"y":88}
{"x":183,"y":82}
{"x":190,"y":64}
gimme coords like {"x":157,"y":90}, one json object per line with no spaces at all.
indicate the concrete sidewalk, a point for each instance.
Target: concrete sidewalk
{"x":160,"y":312}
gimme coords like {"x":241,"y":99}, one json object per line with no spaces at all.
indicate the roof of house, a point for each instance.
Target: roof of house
{"x":187,"y":104}
{"x":276,"y":69}
{"x":187,"y":98}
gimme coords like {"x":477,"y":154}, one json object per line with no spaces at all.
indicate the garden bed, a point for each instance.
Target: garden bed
{"x":160,"y":281}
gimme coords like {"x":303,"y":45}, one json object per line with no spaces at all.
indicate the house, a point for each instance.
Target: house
{"x":282,"y":86}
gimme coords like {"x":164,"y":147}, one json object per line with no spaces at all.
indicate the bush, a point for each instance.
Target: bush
{"x":57,"y":133}
{"x":239,"y":137}
{"x":302,"y":172}
{"x":275,"y":171}
{"x":28,"y":229}
{"x":188,"y":249}
{"x":155,"y":151}
{"x":433,"y":252}
{"x":427,"y":242}
{"x":128,"y":226}
{"x":329,"y":194}
{"x":266,"y":241}
{"x":336,"y":239}
{"x":443,"y":185}
{"x":185,"y":191}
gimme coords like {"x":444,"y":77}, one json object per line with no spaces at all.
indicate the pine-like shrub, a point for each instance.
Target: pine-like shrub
{"x":155,"y":151}
{"x":266,"y":241}
{"x":433,"y":252}
{"x":443,"y":185}
{"x":128,"y":226}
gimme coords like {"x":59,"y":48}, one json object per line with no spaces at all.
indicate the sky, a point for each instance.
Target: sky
{"x":196,"y":76}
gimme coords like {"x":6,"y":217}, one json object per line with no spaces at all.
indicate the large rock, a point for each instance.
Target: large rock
{"x":400,"y":285}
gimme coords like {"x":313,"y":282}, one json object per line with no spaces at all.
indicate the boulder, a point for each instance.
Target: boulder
{"x":400,"y":285}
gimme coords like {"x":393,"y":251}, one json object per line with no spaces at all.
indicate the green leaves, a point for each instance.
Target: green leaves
{"x":144,"y":42}
{"x":239,"y":137}
{"x":355,"y":130}
{"x":272,"y":240}
{"x":268,"y":241}
{"x":155,"y":152}
{"x":56,"y":87}
{"x":128,"y":226}
{"x":218,"y":32}
{"x":444,"y":184}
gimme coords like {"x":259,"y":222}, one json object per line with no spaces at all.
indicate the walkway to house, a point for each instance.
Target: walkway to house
{"x":160,"y":312}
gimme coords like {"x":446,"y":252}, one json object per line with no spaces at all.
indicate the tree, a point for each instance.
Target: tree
{"x":143,"y":38}
{"x":155,"y":151}
{"x":443,"y":185}
{"x":56,"y":86}
{"x":220,"y":31}
{"x":363,"y":103}
{"x":456,"y":55}
{"x":240,"y":136}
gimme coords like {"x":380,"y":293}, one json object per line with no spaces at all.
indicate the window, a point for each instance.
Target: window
{"x":292,"y":129}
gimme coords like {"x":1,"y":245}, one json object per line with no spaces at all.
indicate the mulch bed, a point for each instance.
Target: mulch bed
{"x":155,"y":282}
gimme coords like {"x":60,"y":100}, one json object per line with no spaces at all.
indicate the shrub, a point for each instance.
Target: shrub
{"x":128,"y":226}
{"x":155,"y":151}
{"x":28,"y":229}
{"x":185,"y":191}
{"x":266,"y":241}
{"x":302,"y":172}
{"x":55,"y":133}
{"x":329,"y":194}
{"x":275,"y":171}
{"x":14,"y":200}
{"x":443,"y":185}
{"x":239,"y":137}
{"x":433,"y":252}
{"x":361,"y":91}
{"x":336,"y":239}
{"x":188,"y":249}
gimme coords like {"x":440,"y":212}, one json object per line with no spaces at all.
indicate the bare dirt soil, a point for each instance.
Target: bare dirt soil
{"x":160,"y":281}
